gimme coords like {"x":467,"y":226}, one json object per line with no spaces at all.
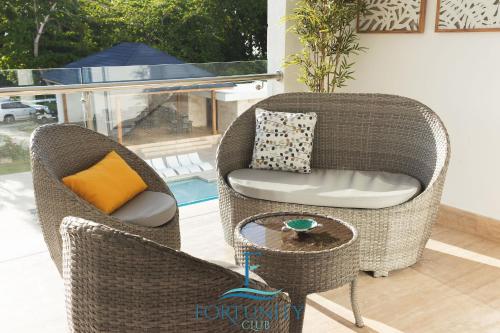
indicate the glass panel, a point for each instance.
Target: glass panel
{"x":176,"y":130}
{"x":171,"y":71}
{"x":39,"y":77}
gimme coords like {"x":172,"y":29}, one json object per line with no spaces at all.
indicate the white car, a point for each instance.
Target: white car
{"x":10,"y":111}
{"x":39,"y":107}
{"x":43,"y":114}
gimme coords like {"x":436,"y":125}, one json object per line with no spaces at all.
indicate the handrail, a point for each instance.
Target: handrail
{"x":106,"y":86}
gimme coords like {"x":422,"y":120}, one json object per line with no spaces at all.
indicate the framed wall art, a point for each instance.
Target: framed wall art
{"x":396,"y":16}
{"x":467,"y":15}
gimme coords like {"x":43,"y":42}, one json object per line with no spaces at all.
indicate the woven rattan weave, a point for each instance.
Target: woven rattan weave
{"x":118,"y":282}
{"x":301,"y":263}
{"x":354,"y":132}
{"x":61,"y":150}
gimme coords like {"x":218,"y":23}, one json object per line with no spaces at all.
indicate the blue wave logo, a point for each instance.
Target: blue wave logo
{"x":247,"y":292}
{"x":250,"y":293}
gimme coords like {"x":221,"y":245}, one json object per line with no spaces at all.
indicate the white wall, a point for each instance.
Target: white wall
{"x":280,"y":44}
{"x":197,"y":110}
{"x":226,"y":113}
{"x":458,"y":76}
{"x":74,"y":104}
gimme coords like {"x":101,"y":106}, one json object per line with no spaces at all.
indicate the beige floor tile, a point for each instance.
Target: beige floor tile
{"x":31,"y":296}
{"x":454,"y":288}
{"x":442,"y":293}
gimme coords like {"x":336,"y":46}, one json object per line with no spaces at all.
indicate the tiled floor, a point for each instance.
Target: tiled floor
{"x":455,"y":288}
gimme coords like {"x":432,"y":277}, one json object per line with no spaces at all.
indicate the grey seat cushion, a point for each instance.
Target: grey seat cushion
{"x":325,"y":187}
{"x":148,"y":209}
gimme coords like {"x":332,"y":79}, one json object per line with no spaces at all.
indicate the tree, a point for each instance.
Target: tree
{"x":41,"y":22}
{"x":208,"y":30}
{"x":193,"y":30}
{"x":41,"y":33}
{"x":245,"y":23}
{"x":327,"y":32}
{"x":51,"y":33}
{"x":116,"y":21}
{"x":15,"y":35}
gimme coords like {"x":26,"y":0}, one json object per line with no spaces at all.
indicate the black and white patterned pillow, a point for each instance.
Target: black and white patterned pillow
{"x":283,"y":141}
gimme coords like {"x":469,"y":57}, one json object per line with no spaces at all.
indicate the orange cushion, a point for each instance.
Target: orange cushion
{"x":108,"y":185}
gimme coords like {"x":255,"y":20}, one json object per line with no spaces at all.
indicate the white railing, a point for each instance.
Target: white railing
{"x":147,"y":84}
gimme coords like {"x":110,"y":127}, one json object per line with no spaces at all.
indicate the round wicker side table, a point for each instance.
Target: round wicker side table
{"x":324,"y":258}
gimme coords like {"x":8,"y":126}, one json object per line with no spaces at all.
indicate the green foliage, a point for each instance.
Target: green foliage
{"x":62,"y":41}
{"x":243,"y":26}
{"x":13,"y":157}
{"x":11,"y":150}
{"x":193,"y":30}
{"x":327,"y":32}
{"x":235,"y":68}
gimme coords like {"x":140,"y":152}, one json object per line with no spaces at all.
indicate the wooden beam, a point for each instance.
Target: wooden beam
{"x":214,"y":112}
{"x":65,"y":108}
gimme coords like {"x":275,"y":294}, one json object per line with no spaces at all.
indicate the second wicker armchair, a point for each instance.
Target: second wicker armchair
{"x":61,"y":150}
{"x":118,"y":282}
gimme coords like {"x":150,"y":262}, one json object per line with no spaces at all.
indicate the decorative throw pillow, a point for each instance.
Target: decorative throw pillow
{"x":283,"y":141}
{"x":108,"y":184}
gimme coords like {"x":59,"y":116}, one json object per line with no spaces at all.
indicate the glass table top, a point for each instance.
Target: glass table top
{"x":267,"y":232}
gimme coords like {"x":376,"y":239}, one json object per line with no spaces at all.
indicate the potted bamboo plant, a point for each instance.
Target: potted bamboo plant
{"x":327,"y":31}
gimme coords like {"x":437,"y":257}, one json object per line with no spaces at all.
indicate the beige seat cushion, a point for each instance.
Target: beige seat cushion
{"x":324,"y":187}
{"x":148,"y":209}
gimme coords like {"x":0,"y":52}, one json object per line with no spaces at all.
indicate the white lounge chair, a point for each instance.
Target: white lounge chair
{"x":186,"y":162}
{"x":195,"y":159}
{"x":174,"y":164}
{"x":159,"y":165}
{"x":169,"y":173}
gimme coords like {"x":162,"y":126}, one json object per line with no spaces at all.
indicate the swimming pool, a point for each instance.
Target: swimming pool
{"x":193,"y":190}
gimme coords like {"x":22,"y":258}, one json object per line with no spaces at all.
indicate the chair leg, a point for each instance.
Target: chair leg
{"x":297,"y":321}
{"x":354,"y":303}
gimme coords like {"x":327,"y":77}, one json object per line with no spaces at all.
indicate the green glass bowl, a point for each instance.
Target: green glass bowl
{"x":300,"y":225}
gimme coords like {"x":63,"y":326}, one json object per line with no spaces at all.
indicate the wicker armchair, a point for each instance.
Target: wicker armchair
{"x":355,"y":132}
{"x":117,"y":282}
{"x":61,"y":150}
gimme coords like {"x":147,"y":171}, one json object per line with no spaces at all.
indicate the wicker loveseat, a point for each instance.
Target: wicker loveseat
{"x":118,"y":282}
{"x":371,"y":132}
{"x":60,"y":150}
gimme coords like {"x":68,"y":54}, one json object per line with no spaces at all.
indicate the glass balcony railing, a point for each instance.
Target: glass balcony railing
{"x":87,"y":75}
{"x":170,"y":115}
{"x":39,"y":77}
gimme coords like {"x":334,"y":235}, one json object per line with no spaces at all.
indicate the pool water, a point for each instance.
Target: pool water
{"x":193,"y":190}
